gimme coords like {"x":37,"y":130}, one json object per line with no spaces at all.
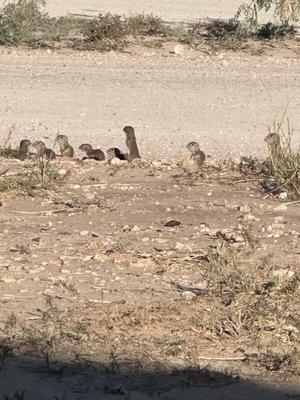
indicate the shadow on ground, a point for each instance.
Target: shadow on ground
{"x":23,"y":379}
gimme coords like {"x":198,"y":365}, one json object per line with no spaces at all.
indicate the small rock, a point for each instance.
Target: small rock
{"x":100,"y":257}
{"x":118,"y":162}
{"x":178,"y":50}
{"x":250,"y":217}
{"x":8,"y":279}
{"x":62,"y":172}
{"x":280,"y":208}
{"x":188,"y":295}
{"x":284,"y":274}
{"x":244,"y":208}
{"x":84,"y":233}
{"x":136,"y":228}
{"x":183,"y":247}
{"x":283,"y":196}
{"x":172,"y":223}
{"x":290,"y":328}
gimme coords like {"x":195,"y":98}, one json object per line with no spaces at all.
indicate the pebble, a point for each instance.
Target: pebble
{"x":187,"y":295}
{"x":8,"y":279}
{"x":62,"y":172}
{"x":178,"y":50}
{"x":245,"y":208}
{"x":100,"y":257}
{"x":283,"y":274}
{"x":281,"y":207}
{"x":283,"y":196}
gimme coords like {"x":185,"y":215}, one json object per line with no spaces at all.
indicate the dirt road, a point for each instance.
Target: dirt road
{"x":170,"y":11}
{"x":225,"y":101}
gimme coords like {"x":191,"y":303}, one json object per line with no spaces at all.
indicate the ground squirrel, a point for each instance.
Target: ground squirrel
{"x":114,"y":152}
{"x":43,"y":151}
{"x":131,"y":143}
{"x":24,"y":149}
{"x":66,"y":150}
{"x":95,"y":154}
{"x":273,"y":142}
{"x":195,"y":160}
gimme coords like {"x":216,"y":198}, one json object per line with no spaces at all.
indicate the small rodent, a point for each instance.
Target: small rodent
{"x":131,"y":143}
{"x":24,"y":149}
{"x":274,"y":145}
{"x":96,"y":154}
{"x":66,"y":150}
{"x":114,"y":152}
{"x":43,"y":151}
{"x":195,"y":160}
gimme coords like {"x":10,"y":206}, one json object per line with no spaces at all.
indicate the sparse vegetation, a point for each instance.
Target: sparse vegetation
{"x":41,"y":176}
{"x":281,"y":170}
{"x":25,"y":23}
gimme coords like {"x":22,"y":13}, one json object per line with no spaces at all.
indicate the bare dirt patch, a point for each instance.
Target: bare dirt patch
{"x":147,"y":283}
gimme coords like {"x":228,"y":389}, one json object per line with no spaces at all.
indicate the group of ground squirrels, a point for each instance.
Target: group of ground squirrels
{"x":193,"y":162}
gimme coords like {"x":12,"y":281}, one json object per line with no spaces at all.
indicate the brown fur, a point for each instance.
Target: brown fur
{"x":24,"y":147}
{"x":273,"y":142}
{"x":131,"y":143}
{"x":96,"y":154}
{"x":66,"y":150}
{"x":196,"y":159}
{"x":43,"y":151}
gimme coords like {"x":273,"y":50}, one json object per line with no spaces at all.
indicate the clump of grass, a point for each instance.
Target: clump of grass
{"x":112,"y":31}
{"x":42,"y":177}
{"x":281,"y":171}
{"x":107,"y":32}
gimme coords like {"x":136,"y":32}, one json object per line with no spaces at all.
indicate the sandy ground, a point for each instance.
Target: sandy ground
{"x":100,"y":298}
{"x":226,"y":101}
{"x":174,"y":10}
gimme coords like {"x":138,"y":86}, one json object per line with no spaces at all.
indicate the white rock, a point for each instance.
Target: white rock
{"x":8,"y":279}
{"x":62,"y":172}
{"x":250,"y":217}
{"x":280,"y":208}
{"x":283,"y":196}
{"x":100,"y":257}
{"x":245,"y":208}
{"x":178,"y":50}
{"x":136,"y":228}
{"x":84,"y":233}
{"x":117,"y":161}
{"x":283,"y":274}
{"x":187,"y":295}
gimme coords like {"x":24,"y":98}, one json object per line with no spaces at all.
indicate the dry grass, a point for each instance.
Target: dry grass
{"x":282,"y":170}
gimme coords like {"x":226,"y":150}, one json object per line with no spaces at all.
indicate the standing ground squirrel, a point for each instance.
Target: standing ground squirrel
{"x":24,"y":149}
{"x":274,"y":146}
{"x":131,"y":143}
{"x":66,"y":150}
{"x":195,"y":160}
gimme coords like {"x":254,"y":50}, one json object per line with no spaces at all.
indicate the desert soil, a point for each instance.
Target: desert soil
{"x":227,"y":101}
{"x":99,"y":299}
